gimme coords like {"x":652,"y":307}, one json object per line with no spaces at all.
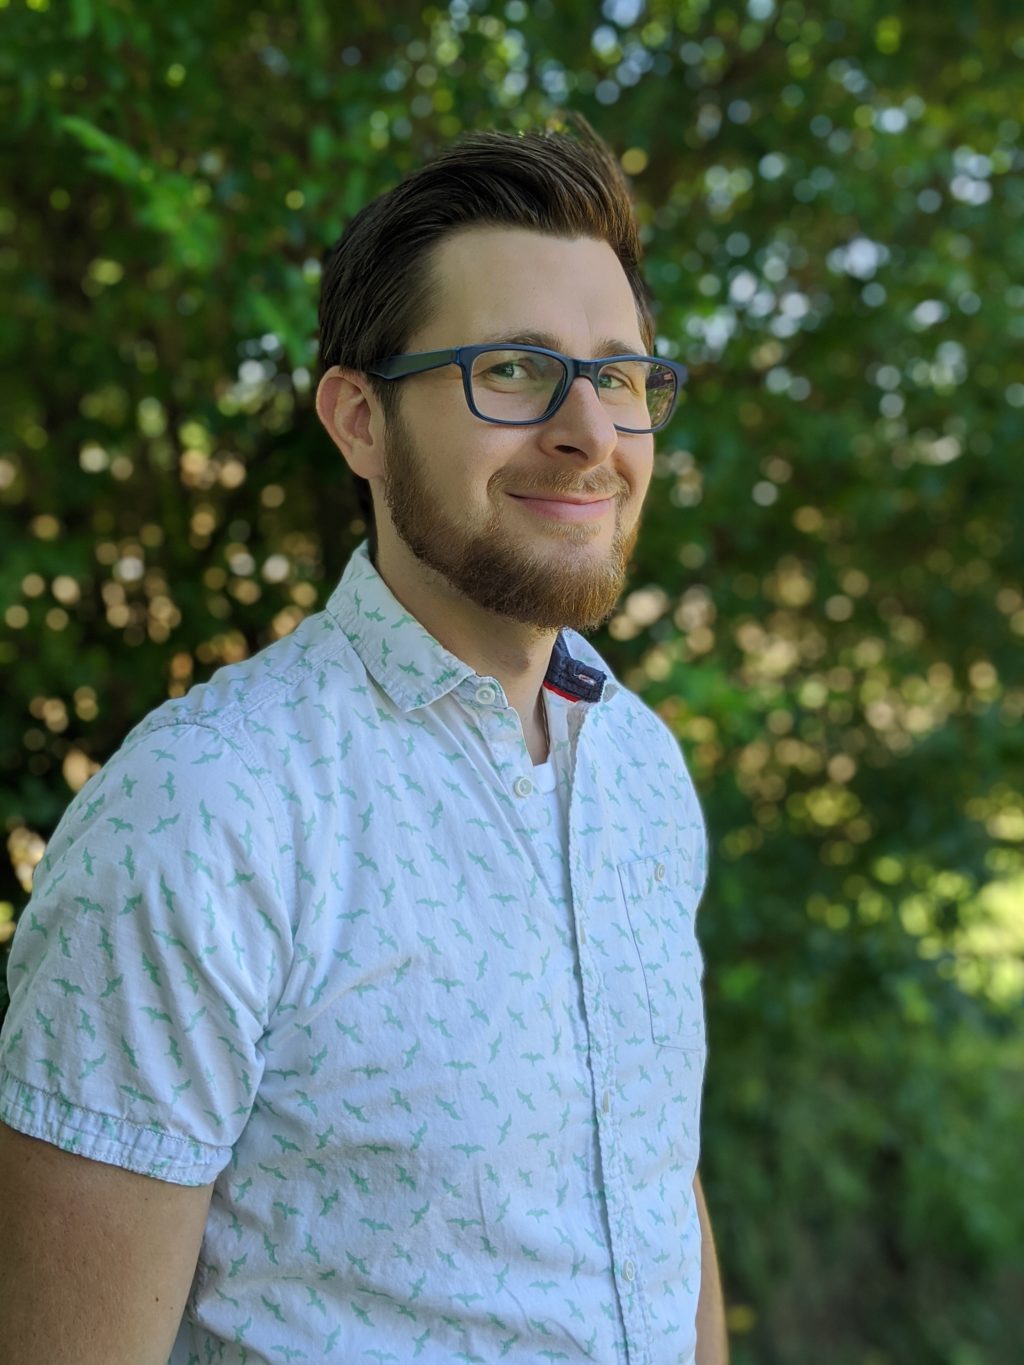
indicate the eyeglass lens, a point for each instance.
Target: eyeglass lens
{"x":518,"y":386}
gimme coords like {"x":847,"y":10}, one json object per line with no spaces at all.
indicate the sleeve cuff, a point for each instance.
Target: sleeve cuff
{"x":115,"y":1141}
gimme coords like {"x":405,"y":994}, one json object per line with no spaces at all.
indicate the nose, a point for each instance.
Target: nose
{"x":582,"y":422}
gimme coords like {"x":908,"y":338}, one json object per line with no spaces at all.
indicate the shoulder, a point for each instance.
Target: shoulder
{"x":239,"y":698}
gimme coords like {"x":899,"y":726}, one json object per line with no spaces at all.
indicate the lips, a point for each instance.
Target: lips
{"x":566,"y":509}
{"x":561,"y":497}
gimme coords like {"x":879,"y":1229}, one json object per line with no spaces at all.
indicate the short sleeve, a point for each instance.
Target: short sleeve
{"x":147,"y":963}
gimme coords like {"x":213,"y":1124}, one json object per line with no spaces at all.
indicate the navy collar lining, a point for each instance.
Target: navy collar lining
{"x":571,"y":679}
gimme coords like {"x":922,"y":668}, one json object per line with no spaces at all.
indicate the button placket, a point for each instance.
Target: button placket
{"x":490,"y":696}
{"x":587,"y":806}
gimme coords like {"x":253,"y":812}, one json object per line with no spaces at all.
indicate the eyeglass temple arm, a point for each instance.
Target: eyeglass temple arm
{"x":401,"y":365}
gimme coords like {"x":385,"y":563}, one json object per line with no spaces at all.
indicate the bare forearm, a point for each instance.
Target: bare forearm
{"x":712,"y":1338}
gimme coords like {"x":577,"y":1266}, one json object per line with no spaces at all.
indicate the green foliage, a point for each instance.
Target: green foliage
{"x":827,"y":599}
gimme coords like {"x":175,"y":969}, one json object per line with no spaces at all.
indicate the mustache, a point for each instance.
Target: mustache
{"x":528,"y":490}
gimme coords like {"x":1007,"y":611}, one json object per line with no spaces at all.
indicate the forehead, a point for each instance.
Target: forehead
{"x":494,"y":279}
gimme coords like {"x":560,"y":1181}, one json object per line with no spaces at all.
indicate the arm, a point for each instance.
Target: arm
{"x":712,"y":1339}
{"x":96,"y":1262}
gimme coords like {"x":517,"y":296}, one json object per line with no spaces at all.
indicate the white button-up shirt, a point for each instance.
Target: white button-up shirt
{"x":321,"y":933}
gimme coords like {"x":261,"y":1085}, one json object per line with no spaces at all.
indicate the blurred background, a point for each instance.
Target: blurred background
{"x":827,"y":600}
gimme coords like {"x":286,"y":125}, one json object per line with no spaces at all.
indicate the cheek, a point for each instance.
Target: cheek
{"x":469,"y":478}
{"x":494,"y":460}
{"x":638,"y":469}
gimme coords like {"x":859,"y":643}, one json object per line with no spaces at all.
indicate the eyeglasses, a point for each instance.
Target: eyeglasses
{"x":519,"y":386}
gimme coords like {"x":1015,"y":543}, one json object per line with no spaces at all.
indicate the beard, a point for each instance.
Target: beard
{"x":492,"y":565}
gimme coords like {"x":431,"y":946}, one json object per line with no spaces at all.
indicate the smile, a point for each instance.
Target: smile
{"x":559,"y":510}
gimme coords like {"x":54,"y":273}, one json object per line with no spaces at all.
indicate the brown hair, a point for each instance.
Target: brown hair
{"x":377,"y":285}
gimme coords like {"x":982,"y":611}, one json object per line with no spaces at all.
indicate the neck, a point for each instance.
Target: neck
{"x":517,"y":655}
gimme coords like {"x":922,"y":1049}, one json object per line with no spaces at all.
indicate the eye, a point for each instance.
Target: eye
{"x":504,"y":369}
{"x":623,"y":377}
{"x":611,"y":379}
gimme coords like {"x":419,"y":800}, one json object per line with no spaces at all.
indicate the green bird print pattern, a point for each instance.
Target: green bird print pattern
{"x":428,"y":1016}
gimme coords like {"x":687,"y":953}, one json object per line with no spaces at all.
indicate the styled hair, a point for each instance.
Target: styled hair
{"x":378,"y":286}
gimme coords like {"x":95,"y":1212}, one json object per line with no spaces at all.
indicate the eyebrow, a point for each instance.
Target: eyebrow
{"x":605,"y":347}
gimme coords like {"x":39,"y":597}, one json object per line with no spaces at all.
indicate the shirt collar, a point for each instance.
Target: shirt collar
{"x":414,"y":669}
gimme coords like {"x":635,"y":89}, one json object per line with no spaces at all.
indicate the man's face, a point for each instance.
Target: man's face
{"x":451,"y":479}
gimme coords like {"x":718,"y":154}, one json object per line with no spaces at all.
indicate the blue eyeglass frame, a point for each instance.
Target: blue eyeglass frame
{"x":418,"y":362}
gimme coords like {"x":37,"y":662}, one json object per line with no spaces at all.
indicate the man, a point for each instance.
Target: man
{"x":357,"y":1011}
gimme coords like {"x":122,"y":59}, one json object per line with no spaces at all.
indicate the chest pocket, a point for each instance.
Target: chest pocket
{"x":661,"y":903}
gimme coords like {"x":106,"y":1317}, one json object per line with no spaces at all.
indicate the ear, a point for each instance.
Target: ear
{"x":351,"y":416}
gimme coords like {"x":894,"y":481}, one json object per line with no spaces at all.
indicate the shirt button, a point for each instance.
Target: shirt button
{"x":486,"y":696}
{"x":659,"y":873}
{"x":628,"y":1271}
{"x":606,"y":1101}
{"x":522,"y":786}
